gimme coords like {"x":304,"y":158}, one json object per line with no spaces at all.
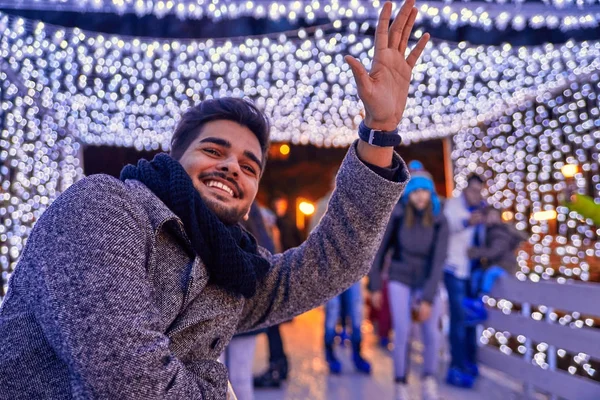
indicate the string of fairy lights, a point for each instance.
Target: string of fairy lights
{"x":555,"y":14}
{"x":138,"y":87}
{"x":521,"y":156}
{"x":518,"y":114}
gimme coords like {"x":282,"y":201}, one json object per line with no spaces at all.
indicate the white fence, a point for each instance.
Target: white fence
{"x":580,"y":297}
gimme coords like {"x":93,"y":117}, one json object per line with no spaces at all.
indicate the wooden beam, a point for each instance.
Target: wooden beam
{"x":575,"y":340}
{"x":581,"y":297}
{"x":559,"y":383}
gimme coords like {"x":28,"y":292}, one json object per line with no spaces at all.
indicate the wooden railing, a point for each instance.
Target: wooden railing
{"x":581,"y":297}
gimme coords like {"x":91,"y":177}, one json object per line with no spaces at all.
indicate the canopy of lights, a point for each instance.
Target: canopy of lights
{"x":516,"y":115}
{"x":554,"y":14}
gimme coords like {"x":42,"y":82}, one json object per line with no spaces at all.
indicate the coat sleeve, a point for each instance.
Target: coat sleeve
{"x":336,"y":254}
{"x":438,"y":261}
{"x":95,"y":303}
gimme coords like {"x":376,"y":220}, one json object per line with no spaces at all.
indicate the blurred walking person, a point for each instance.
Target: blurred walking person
{"x":417,"y":238}
{"x":239,"y":354}
{"x":289,"y":237}
{"x":497,"y":254}
{"x":347,"y":304}
{"x":466,"y":222}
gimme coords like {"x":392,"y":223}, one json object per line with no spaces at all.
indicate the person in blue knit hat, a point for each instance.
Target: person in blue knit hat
{"x":417,"y":238}
{"x":421,"y":180}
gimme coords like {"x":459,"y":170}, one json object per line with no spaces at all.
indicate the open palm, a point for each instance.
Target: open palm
{"x":384,"y":90}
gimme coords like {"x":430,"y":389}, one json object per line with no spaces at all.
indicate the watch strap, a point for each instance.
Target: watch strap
{"x":379,"y":138}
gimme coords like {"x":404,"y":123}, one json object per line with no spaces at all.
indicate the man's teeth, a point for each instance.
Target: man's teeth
{"x":220,"y":186}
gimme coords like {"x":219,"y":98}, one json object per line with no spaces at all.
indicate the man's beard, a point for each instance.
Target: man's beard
{"x":227,"y":215}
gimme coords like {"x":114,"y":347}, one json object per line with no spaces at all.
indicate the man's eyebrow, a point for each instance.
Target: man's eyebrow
{"x":219,"y":141}
{"x":253,"y":157}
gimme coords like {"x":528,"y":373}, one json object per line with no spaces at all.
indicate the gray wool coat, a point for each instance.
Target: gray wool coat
{"x":107,"y":302}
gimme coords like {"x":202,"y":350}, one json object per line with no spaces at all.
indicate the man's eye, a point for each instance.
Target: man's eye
{"x":249,"y":168}
{"x":211,"y":151}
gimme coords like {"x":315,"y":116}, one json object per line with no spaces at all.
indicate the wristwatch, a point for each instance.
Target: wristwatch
{"x":379,"y":138}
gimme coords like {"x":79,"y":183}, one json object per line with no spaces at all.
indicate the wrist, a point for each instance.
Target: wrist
{"x":387,"y":126}
{"x":378,"y":156}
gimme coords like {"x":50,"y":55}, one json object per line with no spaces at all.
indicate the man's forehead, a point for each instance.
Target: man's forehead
{"x":238,"y":136}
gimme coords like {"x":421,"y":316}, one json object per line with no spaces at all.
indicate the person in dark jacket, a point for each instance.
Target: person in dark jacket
{"x":131,"y":288}
{"x":239,"y":354}
{"x":289,"y":237}
{"x":501,"y":241}
{"x":497,"y":253}
{"x":352,"y":301}
{"x":494,"y":258}
{"x":417,"y":238}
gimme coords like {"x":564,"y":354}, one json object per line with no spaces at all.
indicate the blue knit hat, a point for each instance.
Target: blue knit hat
{"x":421,"y":179}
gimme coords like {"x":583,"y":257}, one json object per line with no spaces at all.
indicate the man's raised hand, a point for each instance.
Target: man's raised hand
{"x":384,"y":90}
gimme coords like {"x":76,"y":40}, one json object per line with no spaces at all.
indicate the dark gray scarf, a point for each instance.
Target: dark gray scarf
{"x":230,"y":253}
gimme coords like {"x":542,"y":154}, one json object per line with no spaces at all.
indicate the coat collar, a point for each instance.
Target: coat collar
{"x":157,"y":211}
{"x":161,"y":217}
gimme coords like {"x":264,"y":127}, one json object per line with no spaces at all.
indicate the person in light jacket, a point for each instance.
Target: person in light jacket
{"x":465,"y":215}
{"x":132,"y":288}
{"x":417,"y":238}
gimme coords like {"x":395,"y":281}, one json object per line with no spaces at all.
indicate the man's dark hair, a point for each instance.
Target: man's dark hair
{"x":474,"y":178}
{"x":231,"y":109}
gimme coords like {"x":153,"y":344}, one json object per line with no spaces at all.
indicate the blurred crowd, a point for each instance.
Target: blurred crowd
{"x":457,"y":247}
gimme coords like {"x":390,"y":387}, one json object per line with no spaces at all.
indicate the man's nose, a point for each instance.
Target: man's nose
{"x":231,"y":166}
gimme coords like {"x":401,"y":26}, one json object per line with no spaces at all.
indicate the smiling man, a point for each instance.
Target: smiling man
{"x":132,"y":288}
{"x":226,"y":159}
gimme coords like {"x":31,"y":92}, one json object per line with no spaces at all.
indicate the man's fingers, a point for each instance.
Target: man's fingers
{"x":416,"y":52}
{"x":399,"y":25}
{"x":408,"y":30}
{"x":358,"y":69}
{"x":381,"y":33}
